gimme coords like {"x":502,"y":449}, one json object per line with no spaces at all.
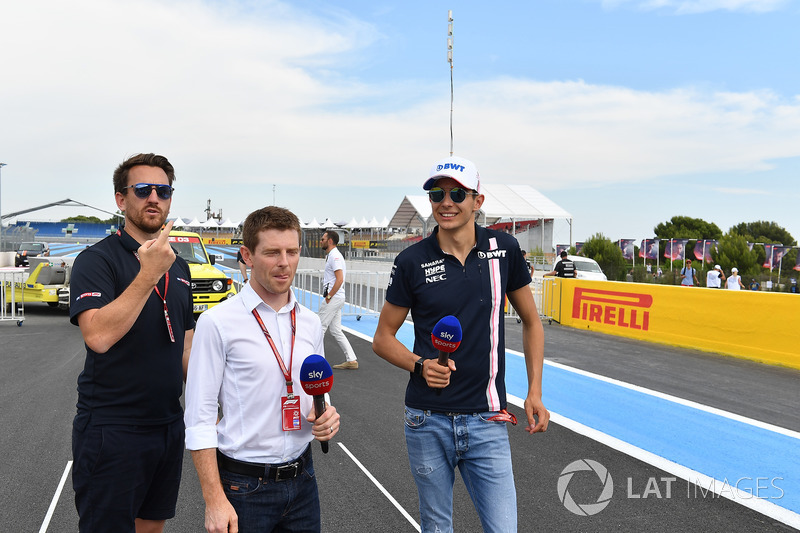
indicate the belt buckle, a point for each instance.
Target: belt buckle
{"x":289,"y":471}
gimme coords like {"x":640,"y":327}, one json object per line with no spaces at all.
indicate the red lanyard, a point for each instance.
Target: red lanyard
{"x":287,"y":374}
{"x":163,"y":298}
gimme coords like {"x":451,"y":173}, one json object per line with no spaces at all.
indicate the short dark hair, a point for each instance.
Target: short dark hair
{"x":148,"y":160}
{"x":269,"y":217}
{"x":332,"y":235}
{"x":564,"y":253}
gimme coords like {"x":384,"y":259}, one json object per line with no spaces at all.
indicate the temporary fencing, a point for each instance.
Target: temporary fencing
{"x":364,"y":291}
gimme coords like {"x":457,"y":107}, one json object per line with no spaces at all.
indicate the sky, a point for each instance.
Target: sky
{"x":623,"y":112}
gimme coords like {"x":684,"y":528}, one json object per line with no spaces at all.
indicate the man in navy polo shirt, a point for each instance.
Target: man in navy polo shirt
{"x":131,"y":297}
{"x":455,"y":414}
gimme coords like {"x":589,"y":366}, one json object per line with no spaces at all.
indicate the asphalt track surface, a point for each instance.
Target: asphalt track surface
{"x":365,"y":483}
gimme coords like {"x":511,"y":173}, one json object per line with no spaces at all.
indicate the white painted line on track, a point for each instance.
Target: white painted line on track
{"x":381,"y":487}
{"x":674,"y":399}
{"x":706,"y":483}
{"x":56,"y":497}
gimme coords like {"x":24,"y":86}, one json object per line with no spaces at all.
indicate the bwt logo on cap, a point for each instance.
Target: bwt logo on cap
{"x":453,"y":166}
{"x":623,"y":309}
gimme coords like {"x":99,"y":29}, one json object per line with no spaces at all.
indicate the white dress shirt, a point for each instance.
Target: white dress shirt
{"x":232,"y":364}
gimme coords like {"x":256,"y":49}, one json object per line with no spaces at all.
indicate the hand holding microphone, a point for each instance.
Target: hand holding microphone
{"x":446,"y":337}
{"x":316,"y":378}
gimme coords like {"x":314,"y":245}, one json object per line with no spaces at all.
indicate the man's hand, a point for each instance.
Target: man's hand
{"x":221,"y":517}
{"x":327,"y":426}
{"x":156,"y":255}
{"x":535,"y":407}
{"x":436,"y":375}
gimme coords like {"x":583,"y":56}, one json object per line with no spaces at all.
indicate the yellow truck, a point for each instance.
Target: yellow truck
{"x":47,"y":282}
{"x":209,"y":285}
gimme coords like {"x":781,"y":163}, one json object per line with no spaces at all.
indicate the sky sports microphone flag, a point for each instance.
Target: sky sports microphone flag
{"x":316,"y":378}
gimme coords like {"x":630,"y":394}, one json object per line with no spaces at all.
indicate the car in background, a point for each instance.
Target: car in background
{"x":209,"y":285}
{"x":585,"y":268}
{"x":27,"y":250}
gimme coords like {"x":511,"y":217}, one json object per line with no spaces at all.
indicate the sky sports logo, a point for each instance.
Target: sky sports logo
{"x":614,"y":308}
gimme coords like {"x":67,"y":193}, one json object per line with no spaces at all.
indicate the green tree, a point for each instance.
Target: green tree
{"x":82,"y":218}
{"x":680,"y":227}
{"x":608,"y":256}
{"x":763,"y":231}
{"x":733,"y":251}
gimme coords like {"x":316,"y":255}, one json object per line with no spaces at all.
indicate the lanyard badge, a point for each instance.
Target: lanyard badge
{"x":290,"y":404}
{"x":163,"y":299}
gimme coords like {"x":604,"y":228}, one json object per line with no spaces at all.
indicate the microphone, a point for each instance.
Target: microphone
{"x":446,"y":337}
{"x":316,"y":378}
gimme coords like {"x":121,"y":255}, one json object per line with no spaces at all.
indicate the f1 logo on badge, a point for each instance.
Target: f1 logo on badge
{"x":614,"y":308}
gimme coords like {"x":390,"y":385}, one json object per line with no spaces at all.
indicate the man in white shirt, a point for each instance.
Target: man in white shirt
{"x":330,"y":309}
{"x":715,"y":277}
{"x":246,"y":359}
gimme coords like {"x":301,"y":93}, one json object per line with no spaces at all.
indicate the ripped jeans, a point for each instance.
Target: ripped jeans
{"x":437,"y":444}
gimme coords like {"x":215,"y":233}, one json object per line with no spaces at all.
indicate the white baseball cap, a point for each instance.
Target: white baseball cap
{"x":716,"y":267}
{"x":462,"y":170}
{"x":734,"y":269}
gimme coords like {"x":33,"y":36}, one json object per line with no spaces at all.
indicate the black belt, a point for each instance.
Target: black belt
{"x":279,"y":472}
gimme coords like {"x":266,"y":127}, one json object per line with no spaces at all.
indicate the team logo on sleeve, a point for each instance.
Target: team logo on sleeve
{"x":434,"y":271}
{"x":185,"y":282}
{"x":89,"y":294}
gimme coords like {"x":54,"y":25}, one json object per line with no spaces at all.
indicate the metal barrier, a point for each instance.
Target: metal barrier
{"x":538,"y":290}
{"x":364,"y":293}
{"x":11,"y":309}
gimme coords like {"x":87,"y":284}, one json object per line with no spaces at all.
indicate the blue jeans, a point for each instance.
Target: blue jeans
{"x":291,"y":505}
{"x":437,"y":444}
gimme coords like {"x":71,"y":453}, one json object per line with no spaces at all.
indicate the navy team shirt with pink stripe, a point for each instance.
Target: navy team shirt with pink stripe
{"x":435,"y":284}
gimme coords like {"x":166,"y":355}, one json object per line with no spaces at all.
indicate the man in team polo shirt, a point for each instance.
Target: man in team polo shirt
{"x":132,"y":298}
{"x":464,"y":270}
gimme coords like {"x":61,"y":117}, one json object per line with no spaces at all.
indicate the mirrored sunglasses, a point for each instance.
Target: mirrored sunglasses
{"x":457,"y":194}
{"x":142,"y":190}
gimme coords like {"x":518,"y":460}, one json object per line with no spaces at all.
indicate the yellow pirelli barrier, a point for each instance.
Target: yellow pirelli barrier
{"x":761,"y":326}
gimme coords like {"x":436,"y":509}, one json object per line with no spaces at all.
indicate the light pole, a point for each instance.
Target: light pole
{"x":1,"y":208}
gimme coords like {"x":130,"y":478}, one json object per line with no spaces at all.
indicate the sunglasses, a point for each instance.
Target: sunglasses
{"x":457,"y":194}
{"x":142,"y":190}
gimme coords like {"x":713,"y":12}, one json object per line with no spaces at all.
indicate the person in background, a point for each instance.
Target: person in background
{"x":565,"y":268}
{"x":715,"y":277}
{"x":734,"y":281}
{"x":330,"y":310}
{"x":754,"y":285}
{"x":689,"y":275}
{"x":242,"y":266}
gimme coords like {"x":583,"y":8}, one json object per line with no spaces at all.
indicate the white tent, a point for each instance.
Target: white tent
{"x":328,"y":223}
{"x":229,"y":224}
{"x":313,"y":224}
{"x":178,"y":223}
{"x":363,"y":223}
{"x":374,"y":224}
{"x":385,"y":223}
{"x":210,"y":223}
{"x":516,"y":203}
{"x":352,"y":224}
{"x":194,"y":223}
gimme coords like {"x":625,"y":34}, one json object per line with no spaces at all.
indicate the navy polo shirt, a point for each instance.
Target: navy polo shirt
{"x":434,"y":284}
{"x":140,"y":379}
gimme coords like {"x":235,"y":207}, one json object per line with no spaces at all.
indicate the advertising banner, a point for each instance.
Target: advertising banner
{"x":702,"y":249}
{"x":649,"y":249}
{"x":627,"y":247}
{"x":676,"y":249}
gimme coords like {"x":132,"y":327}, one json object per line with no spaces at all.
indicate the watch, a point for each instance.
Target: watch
{"x":418,"y":366}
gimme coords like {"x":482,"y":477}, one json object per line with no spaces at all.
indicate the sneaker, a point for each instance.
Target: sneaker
{"x":347,"y":365}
